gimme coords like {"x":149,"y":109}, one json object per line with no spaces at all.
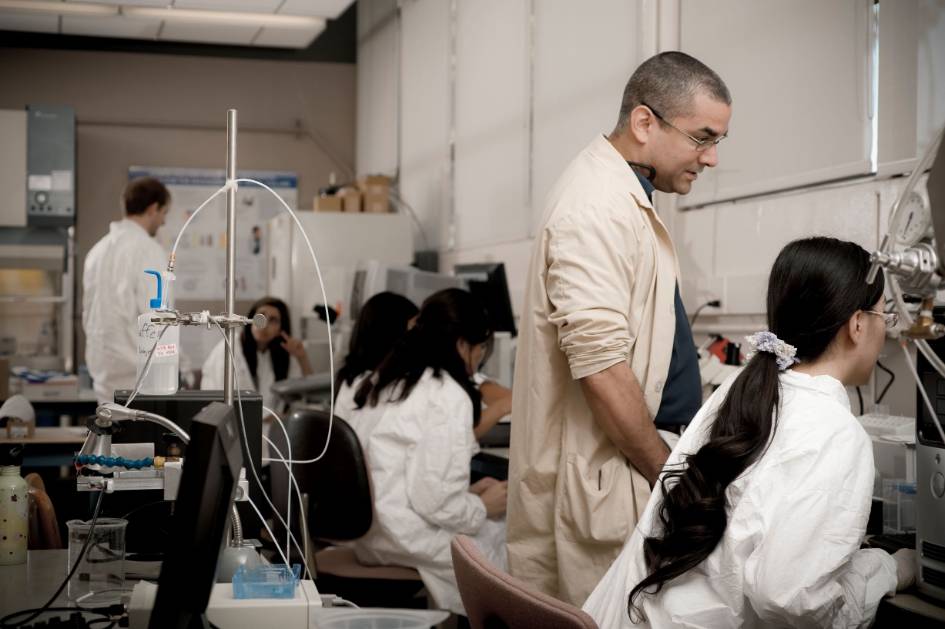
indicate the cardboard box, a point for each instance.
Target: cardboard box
{"x":375,"y":191}
{"x":328,"y":204}
{"x":376,"y":202}
{"x":350,"y":199}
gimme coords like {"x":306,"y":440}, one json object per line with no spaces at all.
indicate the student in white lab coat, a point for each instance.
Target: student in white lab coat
{"x":263,"y":356}
{"x":415,"y":422}
{"x":115,"y":288}
{"x":383,"y":320}
{"x":759,"y":513}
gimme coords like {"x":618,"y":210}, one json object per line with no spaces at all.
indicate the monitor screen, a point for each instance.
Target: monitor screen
{"x":487,"y":281}
{"x":204,"y":500}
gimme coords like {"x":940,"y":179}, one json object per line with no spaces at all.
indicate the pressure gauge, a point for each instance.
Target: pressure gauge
{"x":917,"y":221}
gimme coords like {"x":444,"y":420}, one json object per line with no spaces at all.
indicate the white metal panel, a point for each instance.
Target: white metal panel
{"x":931,"y":72}
{"x":491,"y":126}
{"x":377,"y":115}
{"x":13,"y":168}
{"x":286,"y":37}
{"x":243,"y":6}
{"x":208,"y":33}
{"x":798,"y":73}
{"x":318,"y":8}
{"x":31,"y":22}
{"x":424,"y":148}
{"x":113,"y":26}
{"x":749,"y":234}
{"x":583,"y":59}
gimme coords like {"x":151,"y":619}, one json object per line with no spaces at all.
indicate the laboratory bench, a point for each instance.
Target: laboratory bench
{"x":30,"y":584}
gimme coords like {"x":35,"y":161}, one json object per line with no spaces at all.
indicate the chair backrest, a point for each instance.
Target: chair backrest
{"x":495,"y":600}
{"x":340,"y":506}
{"x":43,"y":526}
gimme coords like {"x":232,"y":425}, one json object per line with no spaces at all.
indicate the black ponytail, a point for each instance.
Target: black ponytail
{"x":816,"y":285}
{"x":445,"y":318}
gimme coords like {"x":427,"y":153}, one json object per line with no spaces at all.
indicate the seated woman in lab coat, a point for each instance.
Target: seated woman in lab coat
{"x":759,"y":514}
{"x":415,"y":421}
{"x":383,"y":321}
{"x":263,"y":356}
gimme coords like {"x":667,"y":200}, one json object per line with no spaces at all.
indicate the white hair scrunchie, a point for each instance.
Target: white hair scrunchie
{"x":768,"y":342}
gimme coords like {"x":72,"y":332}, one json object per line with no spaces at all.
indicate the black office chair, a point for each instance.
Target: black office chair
{"x":337,"y":489}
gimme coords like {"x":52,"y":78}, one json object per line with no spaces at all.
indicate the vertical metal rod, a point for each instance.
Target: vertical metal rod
{"x":230,"y":299}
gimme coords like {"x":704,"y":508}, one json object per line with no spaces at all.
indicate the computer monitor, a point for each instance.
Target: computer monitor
{"x":487,"y":281}
{"x":148,"y":533}
{"x":372,"y":277}
{"x":204,"y":500}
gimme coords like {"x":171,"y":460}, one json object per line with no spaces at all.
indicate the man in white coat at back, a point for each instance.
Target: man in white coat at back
{"x":115,"y":289}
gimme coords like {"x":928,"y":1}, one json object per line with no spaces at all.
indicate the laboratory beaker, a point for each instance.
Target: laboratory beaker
{"x":99,"y":580}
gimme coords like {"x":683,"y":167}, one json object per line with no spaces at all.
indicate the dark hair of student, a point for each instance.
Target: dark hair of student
{"x":382,"y":322}
{"x":280,"y":357}
{"x":445,"y":318}
{"x":816,"y":285}
{"x":141,"y":193}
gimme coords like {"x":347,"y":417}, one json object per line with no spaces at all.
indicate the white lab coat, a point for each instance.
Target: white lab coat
{"x":115,"y":291}
{"x":344,"y":399}
{"x":418,"y":453}
{"x":790,"y":555}
{"x":212,"y":379}
{"x":212,"y":372}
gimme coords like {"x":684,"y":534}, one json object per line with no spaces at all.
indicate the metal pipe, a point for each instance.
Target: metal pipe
{"x":230,"y":298}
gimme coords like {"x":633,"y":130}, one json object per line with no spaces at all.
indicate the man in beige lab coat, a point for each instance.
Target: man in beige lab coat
{"x":606,"y":353}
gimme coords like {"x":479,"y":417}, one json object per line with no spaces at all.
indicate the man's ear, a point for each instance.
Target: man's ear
{"x":641,"y":123}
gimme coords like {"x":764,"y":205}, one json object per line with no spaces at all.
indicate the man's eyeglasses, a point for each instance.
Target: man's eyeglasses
{"x":891,"y":318}
{"x":701,"y":145}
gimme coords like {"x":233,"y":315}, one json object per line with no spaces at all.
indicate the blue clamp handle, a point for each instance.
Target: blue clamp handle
{"x":158,"y":301}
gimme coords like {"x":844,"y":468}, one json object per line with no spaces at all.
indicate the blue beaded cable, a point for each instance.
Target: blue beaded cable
{"x":114,"y":461}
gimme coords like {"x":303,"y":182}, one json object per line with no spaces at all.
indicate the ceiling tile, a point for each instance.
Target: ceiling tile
{"x":208,"y":34}
{"x":10,"y":21}
{"x":136,"y":3}
{"x":318,"y":8}
{"x":286,"y":37}
{"x":116,"y":26}
{"x":244,"y":6}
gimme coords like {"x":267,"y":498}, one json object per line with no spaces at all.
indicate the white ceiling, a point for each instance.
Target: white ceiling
{"x":46,"y":17}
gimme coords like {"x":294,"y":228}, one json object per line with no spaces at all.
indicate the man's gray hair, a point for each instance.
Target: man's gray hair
{"x":668,"y":82}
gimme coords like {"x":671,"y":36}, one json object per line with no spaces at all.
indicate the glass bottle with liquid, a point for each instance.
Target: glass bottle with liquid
{"x":161,"y":343}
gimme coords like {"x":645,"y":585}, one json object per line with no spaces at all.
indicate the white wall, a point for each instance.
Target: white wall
{"x":496,"y":97}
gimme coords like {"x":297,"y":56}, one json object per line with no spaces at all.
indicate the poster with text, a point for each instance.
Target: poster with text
{"x":201,"y":255}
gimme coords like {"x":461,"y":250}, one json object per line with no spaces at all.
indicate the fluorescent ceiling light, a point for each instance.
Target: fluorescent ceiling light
{"x":198,"y":16}
{"x":58,"y":8}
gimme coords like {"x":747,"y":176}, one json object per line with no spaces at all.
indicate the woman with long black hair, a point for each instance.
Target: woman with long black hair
{"x":759,"y":514}
{"x":414,"y":417}
{"x":263,"y":356}
{"x":383,"y":321}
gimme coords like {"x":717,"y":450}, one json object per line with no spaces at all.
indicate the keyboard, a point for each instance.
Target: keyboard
{"x":887,"y":425}
{"x":891,"y":542}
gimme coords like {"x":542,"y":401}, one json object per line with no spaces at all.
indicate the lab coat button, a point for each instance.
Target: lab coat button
{"x":658,"y":386}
